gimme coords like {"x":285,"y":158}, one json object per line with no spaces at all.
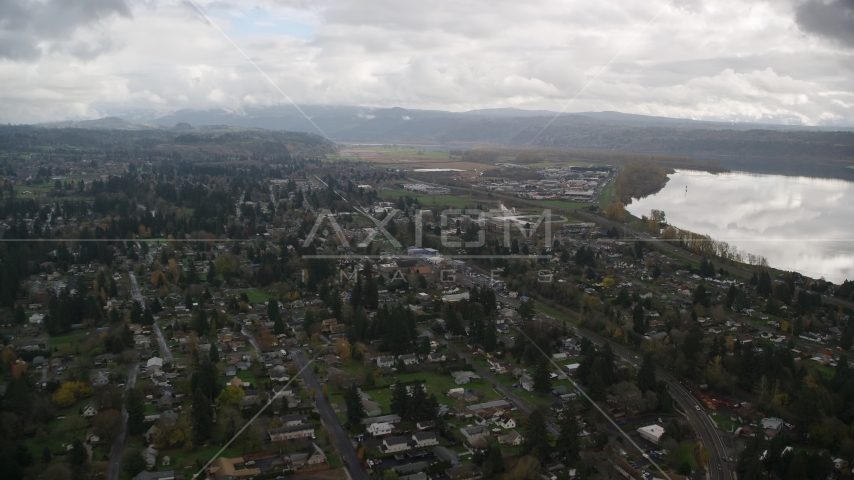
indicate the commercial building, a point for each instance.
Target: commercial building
{"x":651,"y":433}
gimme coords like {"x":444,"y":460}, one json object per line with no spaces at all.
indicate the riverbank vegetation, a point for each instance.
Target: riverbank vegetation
{"x":640,"y":179}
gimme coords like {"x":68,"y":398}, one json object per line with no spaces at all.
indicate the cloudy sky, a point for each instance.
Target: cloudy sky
{"x":780,"y":61}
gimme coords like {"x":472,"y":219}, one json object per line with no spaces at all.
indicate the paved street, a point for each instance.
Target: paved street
{"x":340,"y":439}
{"x":119,"y":442}
{"x":137,"y":295}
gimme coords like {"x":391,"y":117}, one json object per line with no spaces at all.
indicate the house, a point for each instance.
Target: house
{"x":506,"y":422}
{"x":99,"y":378}
{"x":227,"y":468}
{"x":511,"y":439}
{"x":446,"y":455}
{"x":279,"y":374}
{"x":474,"y":432}
{"x":572,"y":368}
{"x":527,"y":383}
{"x":559,"y":356}
{"x":436,"y":357}
{"x":37,"y":319}
{"x":312,"y":457}
{"x":387,"y":361}
{"x":230,"y":371}
{"x":292,"y":419}
{"x":90,"y":410}
{"x":380,"y":428}
{"x":290,"y":432}
{"x":409,"y":359}
{"x":154,"y":362}
{"x":164,"y":475}
{"x":464,"y":378}
{"x":425,"y":439}
{"x":150,"y":456}
{"x":395,"y":444}
{"x":464,"y":472}
{"x":772,"y":426}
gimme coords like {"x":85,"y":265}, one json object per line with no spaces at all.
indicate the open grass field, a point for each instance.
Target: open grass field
{"x":553,"y":312}
{"x":71,"y":338}
{"x":258,"y":296}
{"x":430,"y":201}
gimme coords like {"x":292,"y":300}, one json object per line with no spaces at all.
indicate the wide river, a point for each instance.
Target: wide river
{"x":797,"y":223}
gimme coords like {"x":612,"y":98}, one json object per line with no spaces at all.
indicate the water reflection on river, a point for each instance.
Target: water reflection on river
{"x":797,"y":223}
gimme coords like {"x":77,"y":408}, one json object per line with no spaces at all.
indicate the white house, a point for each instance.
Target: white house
{"x":512,"y":439}
{"x":395,"y":444}
{"x":90,"y":410}
{"x":154,"y":362}
{"x":425,"y":439}
{"x":387,"y":361}
{"x":506,"y":422}
{"x":380,"y":428}
{"x":290,"y":432}
{"x":409,"y":359}
{"x":37,"y":318}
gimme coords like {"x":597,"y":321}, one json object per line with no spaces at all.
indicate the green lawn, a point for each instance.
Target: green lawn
{"x":725,"y":423}
{"x":257,"y":296}
{"x":681,"y":454}
{"x":565,"y":204}
{"x":71,"y":338}
{"x":452,"y":201}
{"x":608,"y":194}
{"x":553,"y":312}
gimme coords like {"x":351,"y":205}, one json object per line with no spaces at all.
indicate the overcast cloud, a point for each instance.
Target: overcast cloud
{"x":733,"y":60}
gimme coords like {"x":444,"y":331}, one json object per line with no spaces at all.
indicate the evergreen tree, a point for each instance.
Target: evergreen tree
{"x":638,"y":320}
{"x":355,"y":408}
{"x":371,"y":296}
{"x":135,"y":407}
{"x":701,"y":296}
{"x":213,"y":355}
{"x":278,"y":326}
{"x":20,"y":315}
{"x":201,"y":417}
{"x":847,"y":337}
{"x":536,"y":439}
{"x":490,"y":338}
{"x":273,"y":309}
{"x":567,"y":441}
{"x":646,"y":375}
{"x":494,"y":463}
{"x":542,"y":379}
{"x":399,"y":399}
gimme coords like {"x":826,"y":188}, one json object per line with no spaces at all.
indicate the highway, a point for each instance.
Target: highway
{"x":330,"y":420}
{"x":119,"y":442}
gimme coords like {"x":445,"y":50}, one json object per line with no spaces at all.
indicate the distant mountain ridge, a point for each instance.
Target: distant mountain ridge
{"x":736,"y":146}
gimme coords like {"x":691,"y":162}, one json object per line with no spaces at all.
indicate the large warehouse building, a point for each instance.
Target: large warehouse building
{"x":652,"y":433}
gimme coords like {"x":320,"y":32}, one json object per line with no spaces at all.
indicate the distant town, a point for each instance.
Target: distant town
{"x":217,"y":306}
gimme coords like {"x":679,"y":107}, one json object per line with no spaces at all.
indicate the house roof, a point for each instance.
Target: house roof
{"x":394,"y":440}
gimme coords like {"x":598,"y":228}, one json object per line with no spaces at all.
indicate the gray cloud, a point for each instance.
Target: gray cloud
{"x":26,"y":27}
{"x":832,"y":19}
